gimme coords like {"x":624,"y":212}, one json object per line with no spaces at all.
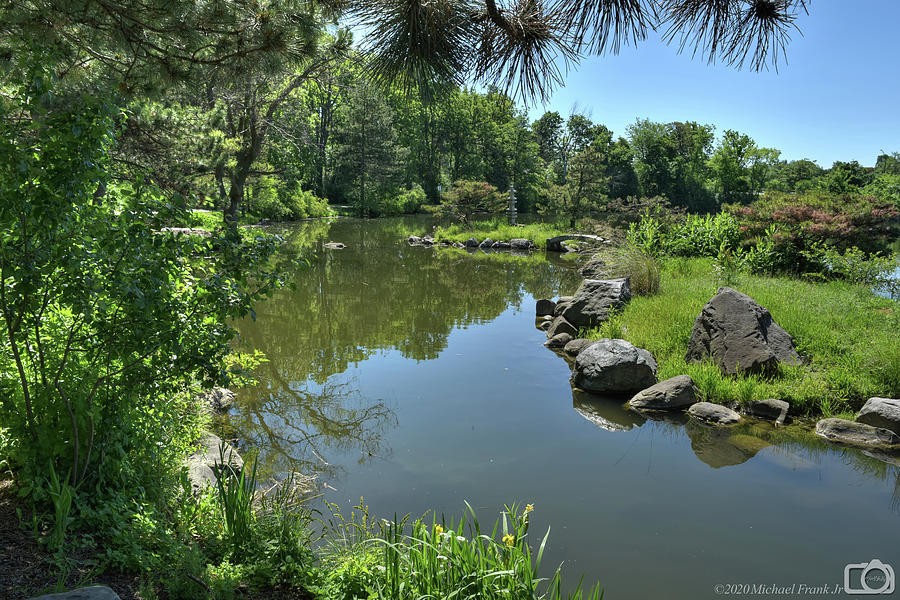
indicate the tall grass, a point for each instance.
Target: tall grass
{"x":847,"y":334}
{"x":431,"y":558}
{"x":236,"y":493}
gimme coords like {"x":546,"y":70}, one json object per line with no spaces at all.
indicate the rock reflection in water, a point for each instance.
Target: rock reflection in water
{"x":722,"y":446}
{"x":605,"y":412}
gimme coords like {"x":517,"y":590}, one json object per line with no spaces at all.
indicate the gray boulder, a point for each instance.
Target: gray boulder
{"x":672,"y":394}
{"x":595,"y":268}
{"x":714,"y":413}
{"x":770,"y":409}
{"x":458,"y":245}
{"x":613,"y":366}
{"x":521,"y":244}
{"x":471,"y":243}
{"x":428,"y":240}
{"x":544,"y":307}
{"x":486,"y":243}
{"x":856,"y":434}
{"x":335,"y":245}
{"x":414,"y":240}
{"x":206,"y":464}
{"x":219,"y":399}
{"x":575,"y":347}
{"x":594,"y":299}
{"x":94,"y":592}
{"x":560,"y":325}
{"x":559,"y":340}
{"x":881,"y":412}
{"x":501,"y":245}
{"x":739,"y":335}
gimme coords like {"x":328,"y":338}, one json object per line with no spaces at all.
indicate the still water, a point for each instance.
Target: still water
{"x":415,"y":377}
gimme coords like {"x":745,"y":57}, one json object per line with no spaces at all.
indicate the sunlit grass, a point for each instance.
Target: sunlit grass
{"x":847,"y":333}
{"x":498,"y":229}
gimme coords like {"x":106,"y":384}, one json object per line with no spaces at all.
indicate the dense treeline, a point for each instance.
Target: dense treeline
{"x":274,"y":147}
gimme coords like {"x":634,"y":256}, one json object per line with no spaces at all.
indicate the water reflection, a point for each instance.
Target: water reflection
{"x":611,"y":414}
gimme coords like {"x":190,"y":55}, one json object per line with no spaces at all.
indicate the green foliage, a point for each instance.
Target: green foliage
{"x":499,"y":229}
{"x":845,"y":332}
{"x":694,"y":235}
{"x":431,"y":558}
{"x":468,"y":198}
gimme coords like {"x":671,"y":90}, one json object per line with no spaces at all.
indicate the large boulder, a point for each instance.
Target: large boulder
{"x":562,"y":304}
{"x":521,"y":244}
{"x":856,"y":434}
{"x":594,"y":299}
{"x":561,"y":325}
{"x":614,"y":366}
{"x":715,"y":414}
{"x":94,"y":592}
{"x":672,"y":394}
{"x":471,"y":243}
{"x":486,"y":243}
{"x":739,"y":335}
{"x":881,"y":412}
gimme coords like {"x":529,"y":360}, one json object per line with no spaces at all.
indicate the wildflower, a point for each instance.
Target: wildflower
{"x":460,"y":538}
{"x":438,"y":530}
{"x":529,"y":508}
{"x":509,"y":539}
{"x":442,"y":557}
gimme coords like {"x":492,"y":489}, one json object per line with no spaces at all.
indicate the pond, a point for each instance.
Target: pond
{"x":415,"y":377}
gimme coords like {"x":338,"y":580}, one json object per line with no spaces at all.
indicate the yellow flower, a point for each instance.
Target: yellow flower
{"x":529,"y":508}
{"x":438,"y":530}
{"x":509,"y":539}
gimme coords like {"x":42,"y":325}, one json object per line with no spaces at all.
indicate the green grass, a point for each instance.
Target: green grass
{"x":498,"y":229}
{"x":848,"y":334}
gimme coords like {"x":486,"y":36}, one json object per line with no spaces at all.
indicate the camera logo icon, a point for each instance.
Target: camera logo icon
{"x":871,"y":578}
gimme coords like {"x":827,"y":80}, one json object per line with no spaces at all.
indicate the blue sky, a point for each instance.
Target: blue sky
{"x":837,"y":98}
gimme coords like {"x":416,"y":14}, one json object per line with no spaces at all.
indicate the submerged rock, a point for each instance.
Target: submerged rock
{"x":856,"y":434}
{"x":739,"y":335}
{"x":414,"y":240}
{"x":881,"y":412}
{"x":672,"y":394}
{"x":559,"y":340}
{"x":770,"y":409}
{"x":595,"y":299}
{"x":614,"y":366}
{"x":471,"y":243}
{"x":714,"y":413}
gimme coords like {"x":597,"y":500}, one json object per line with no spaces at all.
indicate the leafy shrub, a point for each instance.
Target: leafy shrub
{"x":692,"y":236}
{"x":467,"y":198}
{"x":390,"y":200}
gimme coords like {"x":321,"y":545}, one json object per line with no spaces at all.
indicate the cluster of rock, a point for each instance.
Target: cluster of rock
{"x":213,"y":459}
{"x":732,"y":331}
{"x":876,"y":426}
{"x":520,"y":244}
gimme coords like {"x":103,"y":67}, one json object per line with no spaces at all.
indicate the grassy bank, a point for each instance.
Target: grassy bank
{"x":847,"y":333}
{"x":498,"y":229}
